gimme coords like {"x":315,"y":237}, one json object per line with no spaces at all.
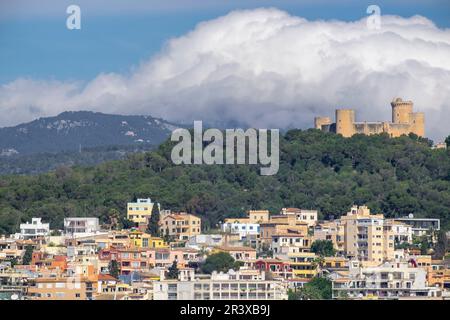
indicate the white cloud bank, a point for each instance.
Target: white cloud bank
{"x":266,"y":68}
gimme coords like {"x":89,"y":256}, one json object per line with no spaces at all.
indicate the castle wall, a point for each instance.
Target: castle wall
{"x":319,"y":122}
{"x":404,"y":121}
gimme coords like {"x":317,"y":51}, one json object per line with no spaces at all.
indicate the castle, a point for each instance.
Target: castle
{"x":404,"y":121}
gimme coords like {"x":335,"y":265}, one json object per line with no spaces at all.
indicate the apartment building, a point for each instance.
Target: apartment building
{"x":144,"y":240}
{"x":304,"y":265}
{"x":366,"y":237}
{"x":387,"y":281}
{"x":247,"y":228}
{"x":75,"y":288}
{"x":402,"y":232}
{"x":284,"y":241}
{"x":420,"y":226}
{"x":280,"y":224}
{"x":302,"y":215}
{"x":34,"y":230}
{"x":243,"y":227}
{"x":79,"y":227}
{"x":333,"y":231}
{"x":233,"y":285}
{"x":140,"y":211}
{"x":238,"y":253}
{"x":180,"y":226}
{"x":258,"y":216}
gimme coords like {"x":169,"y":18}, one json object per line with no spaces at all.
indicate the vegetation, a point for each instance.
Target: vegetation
{"x":28,"y":255}
{"x":153,"y":224}
{"x":324,"y":171}
{"x":319,"y":288}
{"x":323,"y":248}
{"x":114,"y":269}
{"x":220,"y":261}
{"x":173,"y":271}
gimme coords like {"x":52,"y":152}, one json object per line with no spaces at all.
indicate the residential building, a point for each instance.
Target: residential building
{"x":421,"y":226}
{"x":34,"y":229}
{"x":233,"y":285}
{"x":238,"y":253}
{"x":387,"y":281}
{"x":333,"y":231}
{"x":243,"y":227}
{"x":81,"y":226}
{"x":367,"y":238}
{"x":140,"y":211}
{"x":180,"y":226}
{"x":75,"y":288}
{"x":302,"y":215}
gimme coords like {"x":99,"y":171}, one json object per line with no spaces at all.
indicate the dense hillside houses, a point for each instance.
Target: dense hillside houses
{"x":166,"y":255}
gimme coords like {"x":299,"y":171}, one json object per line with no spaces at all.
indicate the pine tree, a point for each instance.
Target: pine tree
{"x":173,"y":271}
{"x":114,"y":269}
{"x":153,"y":223}
{"x":28,"y":255}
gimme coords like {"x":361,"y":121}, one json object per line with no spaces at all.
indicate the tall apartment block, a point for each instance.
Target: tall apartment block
{"x":367,"y":237}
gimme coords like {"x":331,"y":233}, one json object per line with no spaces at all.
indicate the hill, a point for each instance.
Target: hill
{"x":70,"y":131}
{"x":395,"y":176}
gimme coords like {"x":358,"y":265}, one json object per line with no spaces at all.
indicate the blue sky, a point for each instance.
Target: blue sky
{"x":117,"y":35}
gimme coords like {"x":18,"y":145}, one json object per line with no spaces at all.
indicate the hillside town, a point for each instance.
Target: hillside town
{"x":163,"y":255}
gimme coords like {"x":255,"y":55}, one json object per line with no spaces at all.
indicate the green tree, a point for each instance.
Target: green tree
{"x":441,"y":246}
{"x":153,"y":223}
{"x":173,"y":271}
{"x":28,"y":255}
{"x":319,"y":288}
{"x":220,"y":261}
{"x":127,"y":224}
{"x":323,"y":248}
{"x":114,"y":269}
{"x":447,"y":141}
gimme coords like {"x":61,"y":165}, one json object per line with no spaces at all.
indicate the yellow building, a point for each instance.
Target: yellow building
{"x":181,"y":225}
{"x":280,"y":224}
{"x":404,"y":121}
{"x":140,"y":211}
{"x":367,"y":238}
{"x":144,"y":240}
{"x":258,"y":216}
{"x":304,"y":265}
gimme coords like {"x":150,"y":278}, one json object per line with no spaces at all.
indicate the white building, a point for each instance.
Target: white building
{"x":387,"y":281}
{"x":34,"y":229}
{"x":302,"y":215}
{"x":421,"y":226}
{"x":233,"y":285}
{"x":205,"y":240}
{"x":402,"y":232}
{"x":243,"y":227}
{"x":81,"y":226}
{"x":285,"y":243}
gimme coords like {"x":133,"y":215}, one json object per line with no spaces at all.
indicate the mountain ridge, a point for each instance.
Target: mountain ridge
{"x":72,"y":130}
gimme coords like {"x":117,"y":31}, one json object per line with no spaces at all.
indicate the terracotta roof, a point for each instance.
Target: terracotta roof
{"x":236,"y":248}
{"x":106,"y":277}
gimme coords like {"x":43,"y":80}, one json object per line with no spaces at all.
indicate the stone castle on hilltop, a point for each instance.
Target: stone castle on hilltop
{"x":404,"y":121}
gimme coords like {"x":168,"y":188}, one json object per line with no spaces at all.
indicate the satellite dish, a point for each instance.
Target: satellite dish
{"x":14,"y":297}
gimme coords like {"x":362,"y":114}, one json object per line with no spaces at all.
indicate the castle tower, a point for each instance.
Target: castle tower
{"x":345,"y":119}
{"x":401,"y":111}
{"x":320,"y":121}
{"x":417,"y":121}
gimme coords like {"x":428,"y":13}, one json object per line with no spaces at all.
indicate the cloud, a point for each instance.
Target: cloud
{"x":265,"y":68}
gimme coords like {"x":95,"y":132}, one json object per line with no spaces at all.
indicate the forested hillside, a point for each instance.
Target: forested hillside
{"x":317,"y":170}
